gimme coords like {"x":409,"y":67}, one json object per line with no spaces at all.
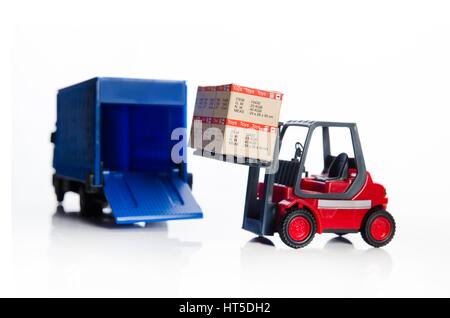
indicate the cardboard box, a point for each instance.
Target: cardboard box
{"x":236,"y":121}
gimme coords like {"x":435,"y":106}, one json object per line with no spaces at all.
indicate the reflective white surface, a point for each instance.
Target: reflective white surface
{"x":384,"y":66}
{"x":61,"y":254}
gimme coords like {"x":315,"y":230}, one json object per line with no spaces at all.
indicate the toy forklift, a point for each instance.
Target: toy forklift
{"x":341,"y":199}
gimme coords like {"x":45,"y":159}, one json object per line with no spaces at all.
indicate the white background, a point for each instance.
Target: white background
{"x":382,"y":64}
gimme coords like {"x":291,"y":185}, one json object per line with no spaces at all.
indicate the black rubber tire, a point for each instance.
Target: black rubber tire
{"x":91,"y":205}
{"x":58,"y":184}
{"x":59,"y":194}
{"x":190,"y":180}
{"x":283,"y":228}
{"x":365,"y":229}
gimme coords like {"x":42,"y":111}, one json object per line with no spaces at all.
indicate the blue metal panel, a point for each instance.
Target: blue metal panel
{"x":138,"y":137}
{"x":78,"y":138}
{"x":145,"y":197}
{"x":152,"y":116}
{"x":144,"y":92}
{"x":97,"y":140}
{"x":184,"y":124}
{"x":75,"y":128}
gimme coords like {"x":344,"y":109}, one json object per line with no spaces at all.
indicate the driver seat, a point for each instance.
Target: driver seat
{"x":287,"y":172}
{"x":338,"y":169}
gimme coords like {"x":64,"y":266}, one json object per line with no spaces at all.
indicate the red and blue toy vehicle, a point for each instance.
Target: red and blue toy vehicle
{"x":341,"y":199}
{"x":113,"y":146}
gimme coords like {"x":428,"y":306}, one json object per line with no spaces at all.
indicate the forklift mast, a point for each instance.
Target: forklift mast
{"x":260,"y":213}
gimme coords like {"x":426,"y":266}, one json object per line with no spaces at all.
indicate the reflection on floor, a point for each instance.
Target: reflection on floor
{"x":85,"y":250}
{"x":75,"y":256}
{"x":338,"y":263}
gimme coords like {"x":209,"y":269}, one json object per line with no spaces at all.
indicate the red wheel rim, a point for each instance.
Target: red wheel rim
{"x":299,"y":228}
{"x":380,"y":229}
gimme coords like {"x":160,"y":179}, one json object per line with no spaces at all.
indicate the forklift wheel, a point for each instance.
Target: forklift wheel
{"x":297,"y":228}
{"x":378,"y":228}
{"x":91,"y":205}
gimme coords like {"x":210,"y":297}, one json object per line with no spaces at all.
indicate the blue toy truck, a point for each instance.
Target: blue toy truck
{"x":113,"y":146}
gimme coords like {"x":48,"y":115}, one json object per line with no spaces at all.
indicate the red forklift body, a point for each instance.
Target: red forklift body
{"x":343,"y":199}
{"x":335,"y":216}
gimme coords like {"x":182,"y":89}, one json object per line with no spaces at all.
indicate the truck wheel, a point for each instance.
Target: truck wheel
{"x":190,"y":180}
{"x":59,"y":194}
{"x":91,"y":205}
{"x":378,"y":228}
{"x":297,"y":228}
{"x":58,"y":184}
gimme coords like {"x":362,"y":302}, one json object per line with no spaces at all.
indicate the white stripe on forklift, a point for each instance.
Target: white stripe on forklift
{"x":345,"y":204}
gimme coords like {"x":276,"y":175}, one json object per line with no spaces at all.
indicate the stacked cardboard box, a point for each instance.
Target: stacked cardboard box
{"x":236,"y":121}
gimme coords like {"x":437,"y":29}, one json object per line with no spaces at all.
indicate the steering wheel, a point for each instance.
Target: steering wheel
{"x":298,"y":151}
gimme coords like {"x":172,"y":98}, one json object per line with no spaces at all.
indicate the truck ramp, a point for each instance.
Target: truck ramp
{"x":146,"y":197}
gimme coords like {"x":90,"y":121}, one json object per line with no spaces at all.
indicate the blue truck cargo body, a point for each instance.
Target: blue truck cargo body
{"x":113,"y":136}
